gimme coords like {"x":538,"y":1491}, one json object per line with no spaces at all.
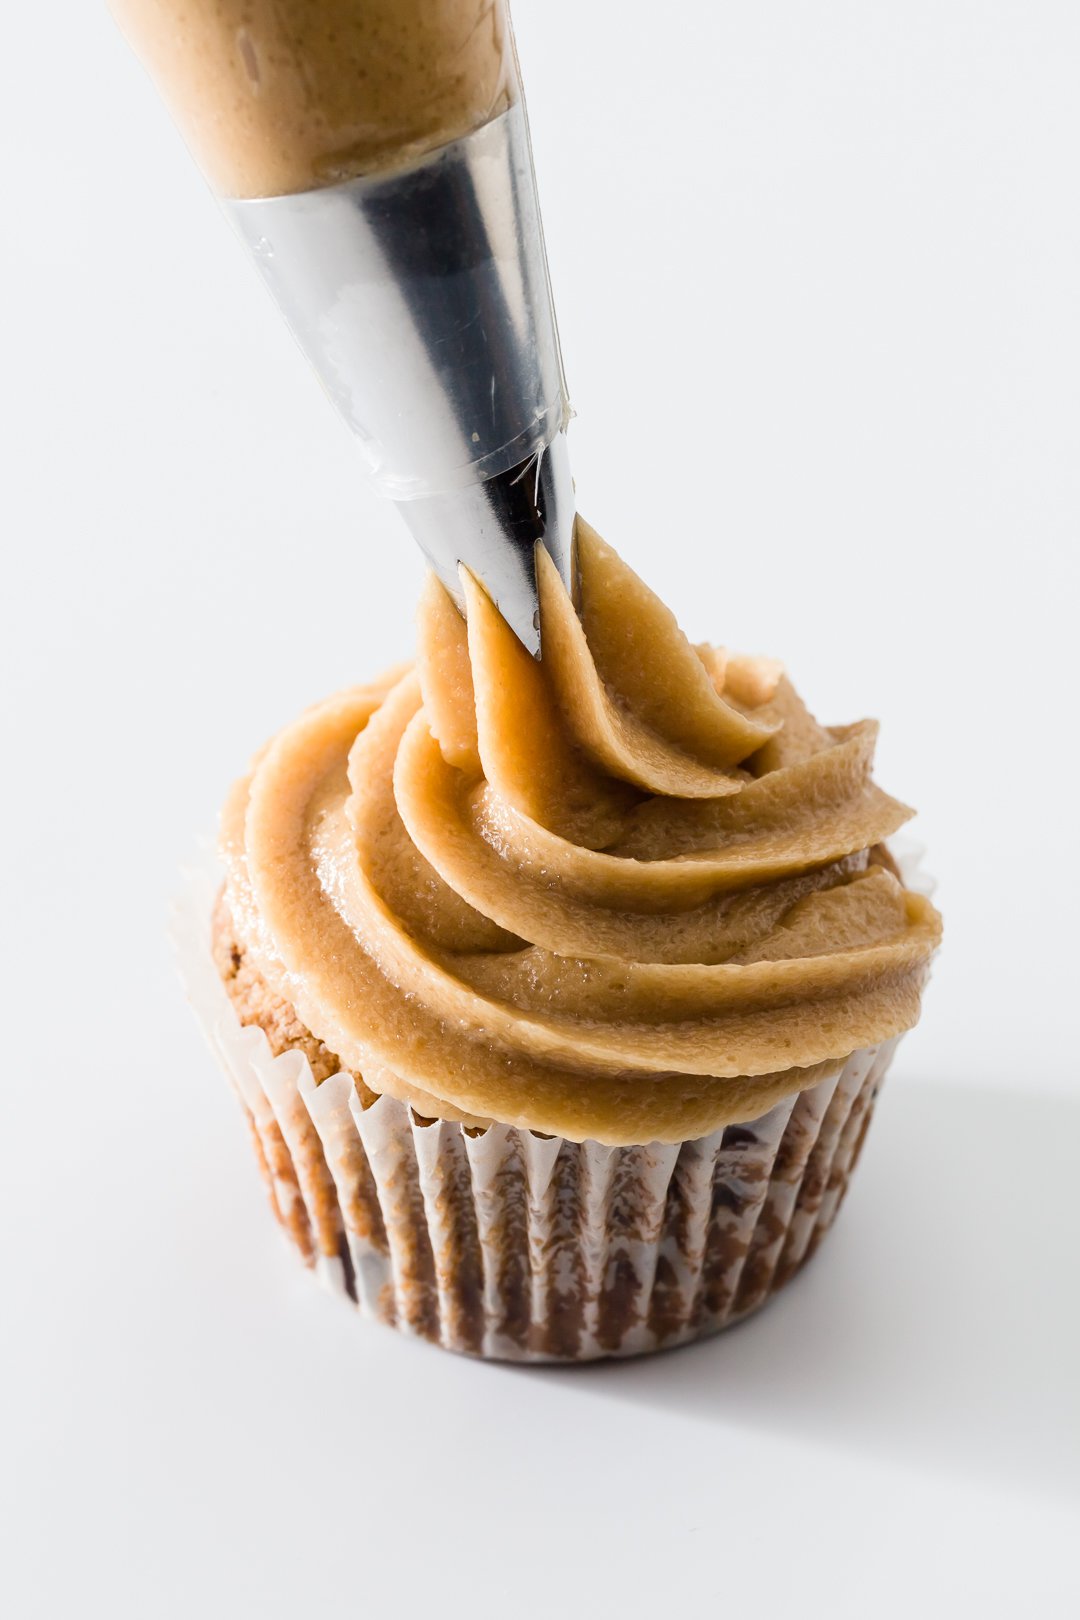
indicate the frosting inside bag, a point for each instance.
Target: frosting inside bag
{"x":280,"y":96}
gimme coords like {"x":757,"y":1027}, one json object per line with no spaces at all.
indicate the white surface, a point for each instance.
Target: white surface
{"x":839,"y":244}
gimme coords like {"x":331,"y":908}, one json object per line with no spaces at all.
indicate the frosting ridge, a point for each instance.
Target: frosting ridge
{"x":629,"y":893}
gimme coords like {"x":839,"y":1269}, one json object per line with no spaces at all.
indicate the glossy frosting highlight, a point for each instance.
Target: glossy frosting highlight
{"x":630,"y":893}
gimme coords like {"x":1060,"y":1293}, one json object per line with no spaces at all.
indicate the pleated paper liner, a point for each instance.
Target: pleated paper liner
{"x":507,"y":1244}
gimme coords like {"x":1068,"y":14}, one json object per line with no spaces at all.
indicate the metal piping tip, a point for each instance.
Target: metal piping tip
{"x":422,"y":299}
{"x":494,"y":529}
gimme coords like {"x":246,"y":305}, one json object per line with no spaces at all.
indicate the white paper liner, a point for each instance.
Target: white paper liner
{"x":520,"y":1247}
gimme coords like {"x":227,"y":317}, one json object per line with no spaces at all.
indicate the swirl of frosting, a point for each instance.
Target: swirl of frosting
{"x":631,"y":893}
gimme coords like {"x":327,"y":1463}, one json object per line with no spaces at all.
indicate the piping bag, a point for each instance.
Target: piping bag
{"x":374,"y":159}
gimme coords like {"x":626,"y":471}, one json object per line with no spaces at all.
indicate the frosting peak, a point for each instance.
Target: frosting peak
{"x":631,"y":892}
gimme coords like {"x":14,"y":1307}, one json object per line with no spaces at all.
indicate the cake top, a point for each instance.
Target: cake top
{"x":630,"y":893}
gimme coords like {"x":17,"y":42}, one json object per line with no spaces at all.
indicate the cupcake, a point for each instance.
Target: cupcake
{"x":558,"y":993}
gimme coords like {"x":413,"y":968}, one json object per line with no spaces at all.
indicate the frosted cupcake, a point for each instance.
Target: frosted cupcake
{"x":558,"y":994}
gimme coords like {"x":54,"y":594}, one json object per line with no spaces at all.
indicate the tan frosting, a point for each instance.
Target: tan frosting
{"x":630,"y":893}
{"x":276,"y":96}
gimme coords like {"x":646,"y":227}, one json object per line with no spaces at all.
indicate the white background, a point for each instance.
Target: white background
{"x":818,"y":276}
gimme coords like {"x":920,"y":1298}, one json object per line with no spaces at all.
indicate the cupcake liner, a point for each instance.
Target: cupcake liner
{"x":508,"y":1244}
